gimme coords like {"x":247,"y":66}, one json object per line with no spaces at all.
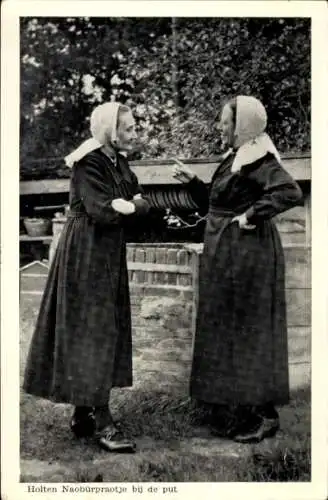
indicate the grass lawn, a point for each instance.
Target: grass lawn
{"x":172,"y":446}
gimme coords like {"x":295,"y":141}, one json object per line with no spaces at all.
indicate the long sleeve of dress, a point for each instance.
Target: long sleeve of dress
{"x":96,"y":194}
{"x":280,"y":191}
{"x":141,"y":204}
{"x":199,"y":193}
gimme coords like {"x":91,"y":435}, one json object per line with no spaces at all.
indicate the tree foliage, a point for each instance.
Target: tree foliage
{"x":175,"y":73}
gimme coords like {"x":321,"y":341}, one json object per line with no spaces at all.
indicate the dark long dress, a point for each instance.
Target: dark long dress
{"x":240,"y":349}
{"x":82,"y":346}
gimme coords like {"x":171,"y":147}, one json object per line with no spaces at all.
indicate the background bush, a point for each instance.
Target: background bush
{"x":174,"y":72}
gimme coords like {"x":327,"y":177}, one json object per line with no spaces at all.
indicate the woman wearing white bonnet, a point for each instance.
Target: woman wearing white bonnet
{"x":82,"y":344}
{"x":240,"y":364}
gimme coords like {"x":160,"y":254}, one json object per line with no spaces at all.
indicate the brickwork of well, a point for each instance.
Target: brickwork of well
{"x":163,"y":285}
{"x":163,"y":289}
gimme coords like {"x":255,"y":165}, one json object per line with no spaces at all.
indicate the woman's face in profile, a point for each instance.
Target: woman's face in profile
{"x":126,"y":133}
{"x":227,"y":126}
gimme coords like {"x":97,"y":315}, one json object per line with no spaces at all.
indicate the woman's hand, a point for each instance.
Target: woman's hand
{"x":243,"y":222}
{"x":182,"y":172}
{"x":123,"y":207}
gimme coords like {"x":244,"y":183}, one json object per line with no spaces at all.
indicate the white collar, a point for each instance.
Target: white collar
{"x":253,"y":150}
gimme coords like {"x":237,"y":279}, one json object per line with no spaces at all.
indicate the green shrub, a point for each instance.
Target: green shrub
{"x":175,"y":73}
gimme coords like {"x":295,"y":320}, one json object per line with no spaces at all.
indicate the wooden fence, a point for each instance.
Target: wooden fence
{"x":156,"y":177}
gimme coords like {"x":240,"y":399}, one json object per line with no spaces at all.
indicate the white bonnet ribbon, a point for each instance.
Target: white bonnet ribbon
{"x":84,"y":148}
{"x":253,"y":150}
{"x":103,"y":123}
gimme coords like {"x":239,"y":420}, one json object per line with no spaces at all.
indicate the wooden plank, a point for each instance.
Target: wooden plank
{"x":300,"y":170}
{"x":34,"y":275}
{"x":215,"y":158}
{"x":160,"y":173}
{"x":49,"y":207}
{"x":44,"y":187}
{"x":27,"y":238}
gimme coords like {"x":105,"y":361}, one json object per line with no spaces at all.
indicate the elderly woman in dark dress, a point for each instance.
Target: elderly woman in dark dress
{"x":82,"y":345}
{"x":240,"y":352}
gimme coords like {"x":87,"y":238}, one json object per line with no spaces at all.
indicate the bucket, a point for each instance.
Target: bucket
{"x":37,"y":227}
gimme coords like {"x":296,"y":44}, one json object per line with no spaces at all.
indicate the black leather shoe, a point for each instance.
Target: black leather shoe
{"x":112,"y":439}
{"x":267,"y":428}
{"x":83,"y":425}
{"x":225,"y":428}
{"x":233,"y":423}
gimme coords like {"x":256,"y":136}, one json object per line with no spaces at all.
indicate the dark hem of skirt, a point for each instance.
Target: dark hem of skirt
{"x":76,"y":402}
{"x":275,"y":399}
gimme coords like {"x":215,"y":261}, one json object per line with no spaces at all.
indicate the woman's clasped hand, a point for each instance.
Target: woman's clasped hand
{"x":123,"y":206}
